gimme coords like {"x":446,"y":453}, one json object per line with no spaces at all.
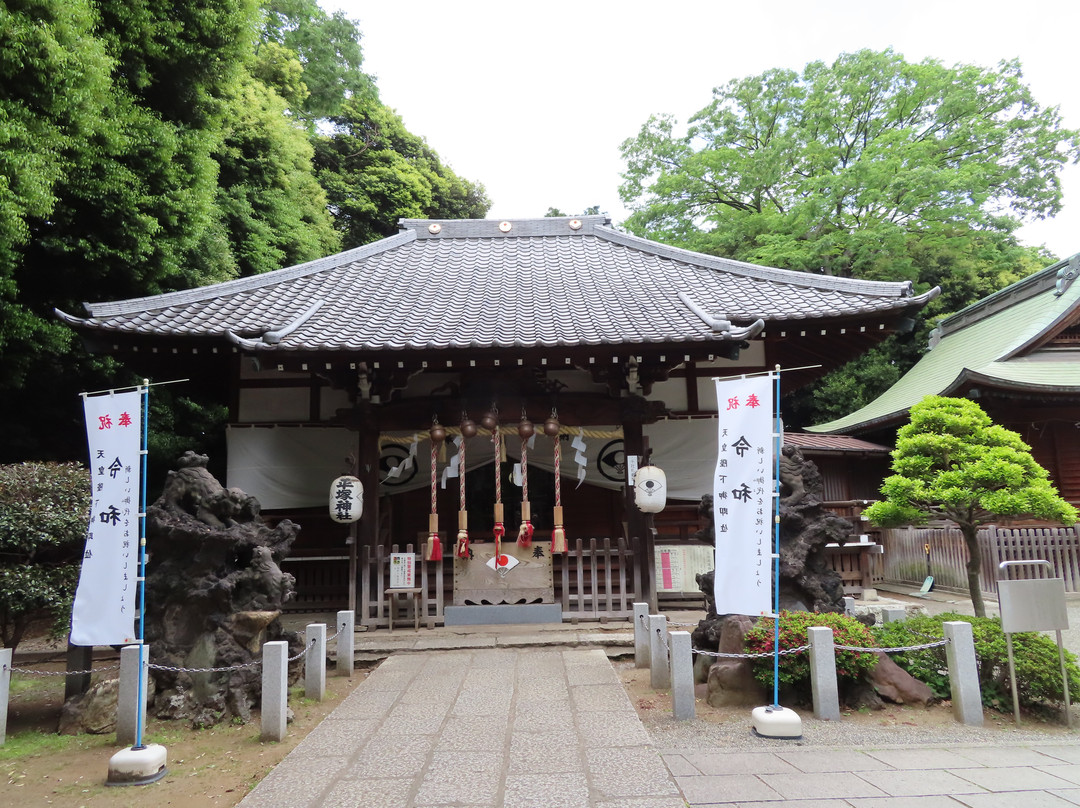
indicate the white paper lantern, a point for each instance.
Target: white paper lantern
{"x":650,"y":489}
{"x":346,"y":499}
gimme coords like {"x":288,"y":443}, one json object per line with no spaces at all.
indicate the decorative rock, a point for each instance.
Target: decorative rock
{"x":731,"y":681}
{"x":895,"y":684}
{"x":214,"y":594}
{"x":249,"y":628}
{"x":94,"y":711}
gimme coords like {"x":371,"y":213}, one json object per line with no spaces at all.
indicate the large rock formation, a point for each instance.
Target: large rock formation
{"x":214,"y":593}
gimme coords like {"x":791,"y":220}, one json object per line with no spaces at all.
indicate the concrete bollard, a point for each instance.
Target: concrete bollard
{"x":682,"y":676}
{"x":893,"y":614}
{"x":5,"y":690}
{"x":127,"y":697}
{"x":849,"y":606}
{"x":315,"y":661}
{"x":275,"y":690}
{"x":823,"y":674}
{"x":641,"y":635}
{"x":963,"y":673}
{"x":659,"y":667}
{"x":346,"y":643}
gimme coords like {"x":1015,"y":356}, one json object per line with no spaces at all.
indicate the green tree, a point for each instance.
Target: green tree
{"x":325,"y":46}
{"x":869,"y":167}
{"x":44,"y":511}
{"x":592,"y":210}
{"x":272,"y":208}
{"x":832,"y":170}
{"x":375,"y":172}
{"x":951,"y":462}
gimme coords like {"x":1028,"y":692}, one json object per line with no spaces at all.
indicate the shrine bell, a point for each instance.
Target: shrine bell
{"x":346,"y":500}
{"x":650,"y":489}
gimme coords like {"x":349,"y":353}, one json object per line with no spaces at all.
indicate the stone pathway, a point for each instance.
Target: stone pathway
{"x":999,"y":776}
{"x":485,"y":728}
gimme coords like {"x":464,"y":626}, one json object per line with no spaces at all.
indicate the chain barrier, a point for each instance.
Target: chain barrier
{"x":62,"y":673}
{"x":763,"y":654}
{"x":896,"y":650}
{"x":173,"y":668}
{"x":341,"y":628}
{"x":938,"y":642}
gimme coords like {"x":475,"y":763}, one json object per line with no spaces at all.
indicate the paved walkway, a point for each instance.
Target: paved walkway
{"x":999,"y":776}
{"x":479,"y":717}
{"x":488,"y":728}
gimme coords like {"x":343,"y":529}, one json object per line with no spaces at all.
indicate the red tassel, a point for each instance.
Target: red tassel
{"x":462,"y":549}
{"x":434,"y":547}
{"x":499,"y":531}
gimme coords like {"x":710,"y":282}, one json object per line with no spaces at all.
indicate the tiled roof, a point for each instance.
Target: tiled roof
{"x":991,"y":342}
{"x":833,"y":443}
{"x":470,"y":284}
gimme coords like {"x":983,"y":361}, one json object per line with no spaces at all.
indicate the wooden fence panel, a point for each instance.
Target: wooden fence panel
{"x":592,"y":583}
{"x":905,"y":559}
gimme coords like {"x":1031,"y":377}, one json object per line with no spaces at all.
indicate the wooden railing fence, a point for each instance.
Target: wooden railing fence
{"x":595,"y":580}
{"x":908,"y":560}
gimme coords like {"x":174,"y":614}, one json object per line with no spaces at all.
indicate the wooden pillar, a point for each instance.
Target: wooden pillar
{"x":639,"y":529}
{"x":79,"y":658}
{"x":366,"y":533}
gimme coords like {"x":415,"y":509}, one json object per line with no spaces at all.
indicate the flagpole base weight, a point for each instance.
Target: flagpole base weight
{"x":137,"y":766}
{"x":776,"y":722}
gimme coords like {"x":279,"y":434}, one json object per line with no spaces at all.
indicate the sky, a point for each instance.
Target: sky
{"x":533,"y":99}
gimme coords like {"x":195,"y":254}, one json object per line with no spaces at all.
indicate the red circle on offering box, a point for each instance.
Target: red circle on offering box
{"x":502,"y":561}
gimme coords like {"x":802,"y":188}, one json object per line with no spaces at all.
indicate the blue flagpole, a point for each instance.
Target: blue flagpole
{"x":143,"y":452}
{"x":778,"y":438}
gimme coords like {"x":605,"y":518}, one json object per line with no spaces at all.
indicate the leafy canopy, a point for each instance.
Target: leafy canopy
{"x":834,"y":169}
{"x":952,"y":462}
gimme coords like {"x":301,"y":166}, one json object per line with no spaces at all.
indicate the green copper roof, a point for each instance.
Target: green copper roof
{"x":989,"y":342}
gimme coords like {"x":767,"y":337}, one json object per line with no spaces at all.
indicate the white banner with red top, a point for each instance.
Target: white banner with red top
{"x":742,"y":495}
{"x":105,"y":600}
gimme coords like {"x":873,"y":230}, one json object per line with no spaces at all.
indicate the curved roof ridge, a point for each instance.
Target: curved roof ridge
{"x":505,"y":228}
{"x":1034,"y":284}
{"x":248,"y":284}
{"x":792,"y":276}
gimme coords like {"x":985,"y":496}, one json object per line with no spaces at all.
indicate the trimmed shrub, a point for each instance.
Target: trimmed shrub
{"x":44,"y":512}
{"x":1038,"y":669}
{"x":851,"y":666}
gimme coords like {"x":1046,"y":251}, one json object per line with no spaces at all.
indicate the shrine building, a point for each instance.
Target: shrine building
{"x":593,"y":352}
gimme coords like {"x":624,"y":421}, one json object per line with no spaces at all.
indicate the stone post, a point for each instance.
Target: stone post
{"x":682,"y":676}
{"x":893,"y":614}
{"x":127,"y":697}
{"x":641,"y":635}
{"x":5,"y":690}
{"x":823,"y":674}
{"x":849,"y":606}
{"x":315,"y":661}
{"x":963,"y":673}
{"x":275,"y":690}
{"x":346,"y":642}
{"x":659,"y":668}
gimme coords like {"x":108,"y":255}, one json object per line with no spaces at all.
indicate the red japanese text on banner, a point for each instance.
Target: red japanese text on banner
{"x":105,"y":600}
{"x":742,"y":496}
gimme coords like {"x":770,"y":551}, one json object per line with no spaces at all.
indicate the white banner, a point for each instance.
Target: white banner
{"x":742,"y":496}
{"x":105,"y":604}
